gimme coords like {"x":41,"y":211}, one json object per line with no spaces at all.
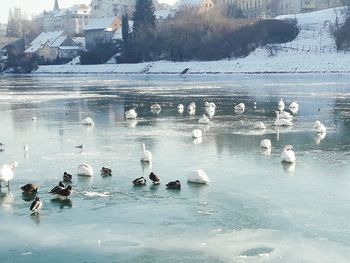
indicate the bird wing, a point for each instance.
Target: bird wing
{"x":33,"y":205}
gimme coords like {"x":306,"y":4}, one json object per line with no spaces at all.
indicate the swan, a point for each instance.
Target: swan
{"x":7,"y":172}
{"x":26,"y":147}
{"x":198,"y":176}
{"x":191,"y":108}
{"x":154,"y":178}
{"x":87,"y":121}
{"x":240,"y":107}
{"x":197,"y":133}
{"x":259,"y":126}
{"x":319,"y":127}
{"x":288,"y":155}
{"x":294,"y":105}
{"x":266,"y":144}
{"x":285,"y":115}
{"x":209,"y":104}
{"x":36,"y":205}
{"x":319,"y":137}
{"x":204,"y":120}
{"x":180,"y":108}
{"x":210,"y":111}
{"x":146,"y":156}
{"x":282,"y":122}
{"x":156,"y":106}
{"x":85,"y":169}
{"x":281,"y":105}
{"x":33,"y":118}
{"x":173,"y":185}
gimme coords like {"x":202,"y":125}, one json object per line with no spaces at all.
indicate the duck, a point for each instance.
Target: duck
{"x":64,"y":192}
{"x":87,"y":121}
{"x":33,"y":118}
{"x":282,"y":122}
{"x":106,"y":171}
{"x":154,"y":178}
{"x":36,"y":205}
{"x":85,"y":169}
{"x":294,"y":105}
{"x":139,"y":181}
{"x":146,"y":156}
{"x":281,"y":105}
{"x":130,"y":114}
{"x":80,"y":147}
{"x":266,"y":144}
{"x":288,"y":154}
{"x":180,"y":108}
{"x":204,"y":120}
{"x":173,"y":185}
{"x":240,"y":107}
{"x":7,"y":172}
{"x":198,"y":177}
{"x":319,"y":127}
{"x":57,"y":187}
{"x":29,"y":188}
{"x":259,"y":126}
{"x":67,"y":177}
{"x":26,"y":147}
{"x":156,"y":106}
{"x":197,"y":133}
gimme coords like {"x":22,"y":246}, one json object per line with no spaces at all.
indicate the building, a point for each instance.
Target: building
{"x":71,"y":20}
{"x":112,"y":8}
{"x":51,"y":46}
{"x":101,"y":31}
{"x":3,"y":28}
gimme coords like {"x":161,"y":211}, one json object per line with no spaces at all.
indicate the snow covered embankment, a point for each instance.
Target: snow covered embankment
{"x":312,"y":52}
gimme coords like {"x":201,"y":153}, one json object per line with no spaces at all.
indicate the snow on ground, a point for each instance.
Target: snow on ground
{"x":313,"y":51}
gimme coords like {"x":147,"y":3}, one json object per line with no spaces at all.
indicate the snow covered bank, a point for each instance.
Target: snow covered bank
{"x":312,"y":52}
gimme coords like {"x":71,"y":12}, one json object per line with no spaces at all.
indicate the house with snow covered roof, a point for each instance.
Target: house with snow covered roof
{"x":50,"y":46}
{"x":101,"y":31}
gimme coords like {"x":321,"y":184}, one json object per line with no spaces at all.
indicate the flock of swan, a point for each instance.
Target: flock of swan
{"x":283,"y":118}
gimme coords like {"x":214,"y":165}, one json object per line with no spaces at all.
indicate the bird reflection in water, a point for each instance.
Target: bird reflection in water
{"x":288,"y":168}
{"x":319,"y":137}
{"x":6,"y":199}
{"x":28,"y":197}
{"x":62,"y":202}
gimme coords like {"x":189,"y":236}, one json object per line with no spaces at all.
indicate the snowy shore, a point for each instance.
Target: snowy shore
{"x":313,"y":51}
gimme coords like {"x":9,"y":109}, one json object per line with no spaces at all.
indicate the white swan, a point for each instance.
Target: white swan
{"x":7,"y":172}
{"x":198,"y":177}
{"x":204,"y":120}
{"x":197,"y":133}
{"x":87,"y":121}
{"x":259,"y":126}
{"x":156,"y":106}
{"x":130,"y":114}
{"x":282,"y":122}
{"x":240,"y":107}
{"x":319,"y":127}
{"x":85,"y":169}
{"x":319,"y":137}
{"x":281,"y":105}
{"x":288,"y":155}
{"x":146,"y":156}
{"x":266,"y":144}
{"x":294,"y":105}
{"x":26,"y":147}
{"x":180,"y":108}
{"x":285,"y":115}
{"x":210,"y":111}
{"x":191,"y":108}
{"x":209,"y":104}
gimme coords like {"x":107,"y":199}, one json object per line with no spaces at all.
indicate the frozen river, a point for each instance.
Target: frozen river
{"x":254,"y":210}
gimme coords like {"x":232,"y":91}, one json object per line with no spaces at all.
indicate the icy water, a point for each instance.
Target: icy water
{"x":254,"y":210}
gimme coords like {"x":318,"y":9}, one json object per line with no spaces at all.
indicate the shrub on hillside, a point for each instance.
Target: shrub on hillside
{"x":342,"y":35}
{"x":101,"y":54}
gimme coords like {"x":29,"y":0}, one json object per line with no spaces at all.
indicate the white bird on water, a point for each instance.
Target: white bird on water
{"x":180,"y":108}
{"x":282,"y":122}
{"x":198,"y":177}
{"x":240,"y":107}
{"x":130,"y":114}
{"x":294,"y":105}
{"x":266,"y":144}
{"x":204,"y":120}
{"x":7,"y":172}
{"x":281,"y":105}
{"x":319,"y":127}
{"x":288,"y":154}
{"x":85,"y":169}
{"x":285,"y":115}
{"x":26,"y":147}
{"x":191,"y":108}
{"x":259,"y":126}
{"x":87,"y":121}
{"x":146,"y":156}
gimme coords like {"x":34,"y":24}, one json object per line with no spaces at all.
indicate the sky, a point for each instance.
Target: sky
{"x":32,"y":7}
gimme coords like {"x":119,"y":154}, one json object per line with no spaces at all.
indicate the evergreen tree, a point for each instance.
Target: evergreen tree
{"x":125,"y":27}
{"x":143,"y":15}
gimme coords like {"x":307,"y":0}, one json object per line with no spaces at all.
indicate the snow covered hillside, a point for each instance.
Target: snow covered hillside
{"x":313,"y":51}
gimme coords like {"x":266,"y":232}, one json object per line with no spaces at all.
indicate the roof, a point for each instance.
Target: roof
{"x":69,"y":48}
{"x":100,"y":23}
{"x":4,"y":41}
{"x":43,"y":38}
